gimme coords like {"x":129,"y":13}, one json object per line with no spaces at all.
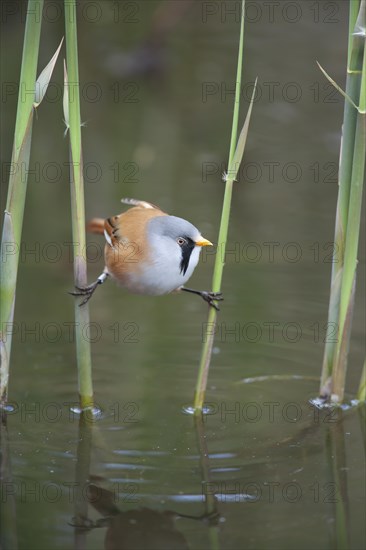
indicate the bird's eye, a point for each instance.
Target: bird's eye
{"x":181,"y":241}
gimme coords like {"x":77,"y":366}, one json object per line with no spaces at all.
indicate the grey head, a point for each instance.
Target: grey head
{"x":177,"y":236}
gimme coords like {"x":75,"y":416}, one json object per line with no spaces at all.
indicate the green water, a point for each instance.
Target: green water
{"x":157,"y":104}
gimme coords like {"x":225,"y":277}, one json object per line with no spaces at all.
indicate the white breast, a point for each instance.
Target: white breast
{"x":163,"y":273}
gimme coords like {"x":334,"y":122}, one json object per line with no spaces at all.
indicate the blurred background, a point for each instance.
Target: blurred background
{"x":157,"y":81}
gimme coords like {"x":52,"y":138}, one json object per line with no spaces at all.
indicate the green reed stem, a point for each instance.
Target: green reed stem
{"x":346,"y":232}
{"x":344,"y":182}
{"x":352,"y":240}
{"x":13,"y":219}
{"x":361,"y":394}
{"x":222,"y":239}
{"x":83,"y":352}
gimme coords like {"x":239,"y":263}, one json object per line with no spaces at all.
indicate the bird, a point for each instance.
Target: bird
{"x":147,"y":251}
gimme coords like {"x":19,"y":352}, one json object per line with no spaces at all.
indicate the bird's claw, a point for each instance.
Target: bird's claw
{"x":86,"y":291}
{"x":212,"y":297}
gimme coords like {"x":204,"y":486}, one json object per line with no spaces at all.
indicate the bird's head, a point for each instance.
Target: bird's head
{"x":178,"y":240}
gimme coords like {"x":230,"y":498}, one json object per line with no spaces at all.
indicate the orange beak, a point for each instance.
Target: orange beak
{"x":203,"y":242}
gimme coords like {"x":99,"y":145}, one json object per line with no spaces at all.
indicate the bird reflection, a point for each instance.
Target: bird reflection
{"x":138,"y":529}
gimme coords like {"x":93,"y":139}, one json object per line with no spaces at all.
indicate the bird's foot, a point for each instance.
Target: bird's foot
{"x":211,"y":298}
{"x":88,"y":291}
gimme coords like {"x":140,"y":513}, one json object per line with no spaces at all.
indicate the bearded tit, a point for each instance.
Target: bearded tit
{"x":148,"y":252}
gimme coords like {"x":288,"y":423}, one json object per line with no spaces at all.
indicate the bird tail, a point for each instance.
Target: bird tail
{"x":96,"y":225}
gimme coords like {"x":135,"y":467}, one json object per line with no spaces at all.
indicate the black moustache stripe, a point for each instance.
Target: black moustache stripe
{"x":186,"y":254}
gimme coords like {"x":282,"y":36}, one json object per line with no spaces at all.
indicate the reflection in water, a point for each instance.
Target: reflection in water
{"x":8,"y":515}
{"x":135,"y":529}
{"x":82,"y":474}
{"x":143,"y":528}
{"x":338,"y":494}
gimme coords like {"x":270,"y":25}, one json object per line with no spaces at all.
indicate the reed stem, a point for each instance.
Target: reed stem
{"x":361,"y":394}
{"x":354,"y":65}
{"x":222,"y":239}
{"x":13,"y":219}
{"x":351,"y":244}
{"x":83,"y":352}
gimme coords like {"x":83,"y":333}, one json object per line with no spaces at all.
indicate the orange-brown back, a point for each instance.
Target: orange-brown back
{"x":127,"y":246}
